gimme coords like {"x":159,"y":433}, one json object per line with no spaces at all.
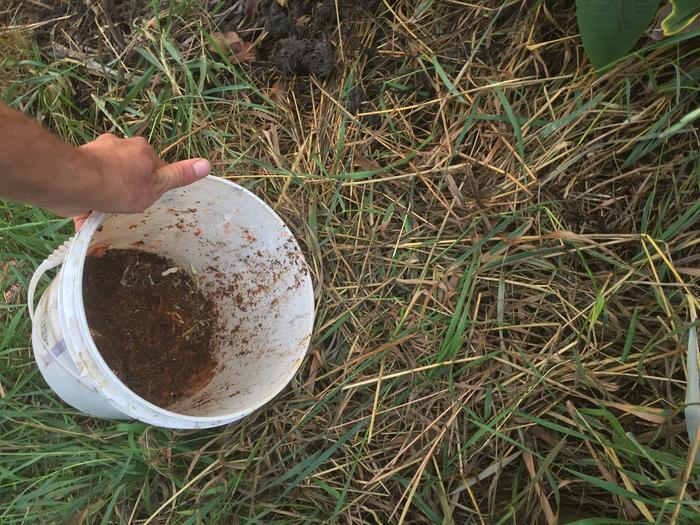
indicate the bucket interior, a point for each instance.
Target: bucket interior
{"x":249,"y":263}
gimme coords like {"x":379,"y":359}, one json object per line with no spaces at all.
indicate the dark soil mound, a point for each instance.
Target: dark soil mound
{"x":302,"y":56}
{"x":301,"y":37}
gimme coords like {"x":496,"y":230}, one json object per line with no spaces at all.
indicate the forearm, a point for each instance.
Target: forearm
{"x":109,"y":174}
{"x":40,"y":169}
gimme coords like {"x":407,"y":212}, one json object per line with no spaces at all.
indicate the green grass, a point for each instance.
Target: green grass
{"x":499,"y":337}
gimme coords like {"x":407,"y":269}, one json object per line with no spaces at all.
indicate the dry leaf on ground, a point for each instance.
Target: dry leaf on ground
{"x":240,"y":50}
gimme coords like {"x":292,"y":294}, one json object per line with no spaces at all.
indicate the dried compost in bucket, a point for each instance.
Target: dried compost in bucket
{"x":151,"y":323}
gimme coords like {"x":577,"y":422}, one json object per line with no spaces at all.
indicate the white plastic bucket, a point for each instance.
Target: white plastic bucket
{"x":230,"y":238}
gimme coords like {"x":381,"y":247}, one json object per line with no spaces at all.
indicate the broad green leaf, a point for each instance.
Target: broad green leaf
{"x":610,"y":28}
{"x":683,"y":13}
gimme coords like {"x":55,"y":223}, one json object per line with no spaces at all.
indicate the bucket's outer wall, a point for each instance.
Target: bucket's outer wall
{"x":57,"y":367}
{"x":221,"y":232}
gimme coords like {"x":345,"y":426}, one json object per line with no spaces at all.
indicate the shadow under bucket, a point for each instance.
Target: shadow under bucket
{"x":246,"y":260}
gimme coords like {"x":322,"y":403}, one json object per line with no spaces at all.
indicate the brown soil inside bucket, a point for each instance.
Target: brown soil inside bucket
{"x":151,"y":323}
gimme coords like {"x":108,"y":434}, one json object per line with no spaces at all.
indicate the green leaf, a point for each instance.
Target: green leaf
{"x":610,"y":28}
{"x":630,"y":335}
{"x":683,"y":13}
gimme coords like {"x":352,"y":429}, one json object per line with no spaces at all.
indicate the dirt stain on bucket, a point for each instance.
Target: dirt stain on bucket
{"x":151,"y":323}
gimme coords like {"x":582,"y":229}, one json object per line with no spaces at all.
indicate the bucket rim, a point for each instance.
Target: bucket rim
{"x":118,"y":392}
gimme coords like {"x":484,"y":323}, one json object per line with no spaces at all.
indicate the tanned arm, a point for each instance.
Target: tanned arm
{"x":109,"y":174}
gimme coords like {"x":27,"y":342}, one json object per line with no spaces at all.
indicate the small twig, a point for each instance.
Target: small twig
{"x":686,"y":476}
{"x":109,"y":11}
{"x":35,"y":25}
{"x":61,"y":51}
{"x":477,"y":195}
{"x":183,"y":138}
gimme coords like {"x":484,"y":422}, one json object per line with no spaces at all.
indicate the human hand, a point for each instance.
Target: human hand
{"x":110,"y":174}
{"x":79,"y":220}
{"x":130,"y":176}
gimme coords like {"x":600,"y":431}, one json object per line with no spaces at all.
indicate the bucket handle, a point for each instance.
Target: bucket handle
{"x":51,"y":262}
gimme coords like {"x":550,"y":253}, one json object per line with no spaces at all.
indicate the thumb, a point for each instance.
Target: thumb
{"x":181,"y":174}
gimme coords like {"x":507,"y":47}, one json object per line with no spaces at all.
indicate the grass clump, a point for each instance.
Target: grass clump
{"x":504,"y":246}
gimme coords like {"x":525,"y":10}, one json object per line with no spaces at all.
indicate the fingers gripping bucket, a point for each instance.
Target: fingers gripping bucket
{"x":233,"y":242}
